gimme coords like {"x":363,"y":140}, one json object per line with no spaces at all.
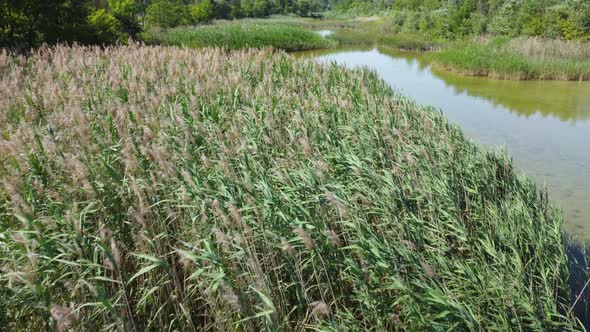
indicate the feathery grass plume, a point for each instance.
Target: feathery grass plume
{"x":336,"y":203}
{"x":65,"y":318}
{"x":185,"y":262}
{"x":288,"y":248}
{"x":235,"y":214}
{"x":304,"y":237}
{"x":305,"y":146}
{"x":18,"y":202}
{"x":221,"y":238}
{"x":322,"y":168}
{"x":230,"y":297}
{"x":187,"y":107}
{"x":33,"y":259}
{"x":220,"y":214}
{"x":409,"y":159}
{"x":20,"y":239}
{"x":363,"y":200}
{"x":394,"y":318}
{"x":116,"y":252}
{"x":427,"y":269}
{"x":409,"y":244}
{"x":320,"y":308}
{"x":333,"y":237}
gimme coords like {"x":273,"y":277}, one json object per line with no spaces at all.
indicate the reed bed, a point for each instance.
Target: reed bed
{"x":382,"y":32}
{"x":239,"y":35}
{"x":545,"y":49}
{"x":522,"y":58}
{"x":165,"y":188}
{"x":399,"y":41}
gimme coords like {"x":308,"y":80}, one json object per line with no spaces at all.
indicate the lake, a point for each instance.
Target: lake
{"x":544,"y":125}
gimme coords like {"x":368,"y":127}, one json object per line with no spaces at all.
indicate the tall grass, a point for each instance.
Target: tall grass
{"x":382,"y":32}
{"x":520,"y":58}
{"x":240,"y":34}
{"x":549,"y":49}
{"x":400,"y":41}
{"x":164,"y":188}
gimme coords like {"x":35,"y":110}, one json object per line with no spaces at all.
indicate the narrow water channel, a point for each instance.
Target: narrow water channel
{"x":544,"y":125}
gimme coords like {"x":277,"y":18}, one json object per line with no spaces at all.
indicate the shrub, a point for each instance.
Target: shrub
{"x":202,"y":11}
{"x":552,"y":21}
{"x":106,"y":28}
{"x":126,"y":11}
{"x":166,"y":13}
{"x":411,"y":22}
{"x":255,"y":8}
{"x":236,"y":35}
{"x":506,"y":21}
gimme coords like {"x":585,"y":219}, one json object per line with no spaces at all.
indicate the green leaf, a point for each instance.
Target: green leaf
{"x":145,"y":296}
{"x":143,"y":271}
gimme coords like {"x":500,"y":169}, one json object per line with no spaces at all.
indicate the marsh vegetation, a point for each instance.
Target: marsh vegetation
{"x":523,"y":58}
{"x":138,"y":195}
{"x":210,"y":181}
{"x":240,"y":35}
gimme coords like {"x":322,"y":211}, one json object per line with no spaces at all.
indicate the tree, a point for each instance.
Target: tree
{"x":27,"y":23}
{"x":127,"y":13}
{"x":106,"y":28}
{"x":166,"y":13}
{"x":202,"y":11}
{"x":255,"y":8}
{"x":460,"y":17}
{"x":304,"y":8}
{"x":506,"y":22}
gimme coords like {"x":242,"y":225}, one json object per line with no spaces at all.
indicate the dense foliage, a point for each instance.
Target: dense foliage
{"x":31,"y":22}
{"x":26,"y":23}
{"x":568,"y":19}
{"x":164,"y":188}
{"x":239,"y":35}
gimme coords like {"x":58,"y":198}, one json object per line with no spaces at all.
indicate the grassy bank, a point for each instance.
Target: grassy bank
{"x":379,"y":31}
{"x":399,"y":41}
{"x":524,"y":58}
{"x":239,"y":35}
{"x":164,"y":188}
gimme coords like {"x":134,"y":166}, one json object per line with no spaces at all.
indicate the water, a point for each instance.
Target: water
{"x":544,"y":125}
{"x":325,"y":33}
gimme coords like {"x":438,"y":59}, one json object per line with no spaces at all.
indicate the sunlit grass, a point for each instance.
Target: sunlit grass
{"x":520,"y":58}
{"x":165,"y":188}
{"x":241,"y":34}
{"x":381,"y":32}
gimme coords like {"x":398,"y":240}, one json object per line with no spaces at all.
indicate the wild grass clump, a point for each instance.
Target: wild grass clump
{"x":548,"y":49}
{"x":382,"y":33}
{"x":165,"y":188}
{"x":240,"y":34}
{"x":400,"y":41}
{"x":521,"y":58}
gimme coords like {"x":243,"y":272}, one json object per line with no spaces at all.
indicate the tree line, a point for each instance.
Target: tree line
{"x":567,"y":19}
{"x":29,"y":23}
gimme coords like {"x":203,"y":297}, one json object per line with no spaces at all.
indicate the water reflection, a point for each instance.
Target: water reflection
{"x":567,"y":101}
{"x":324,"y":33}
{"x":545,"y":125}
